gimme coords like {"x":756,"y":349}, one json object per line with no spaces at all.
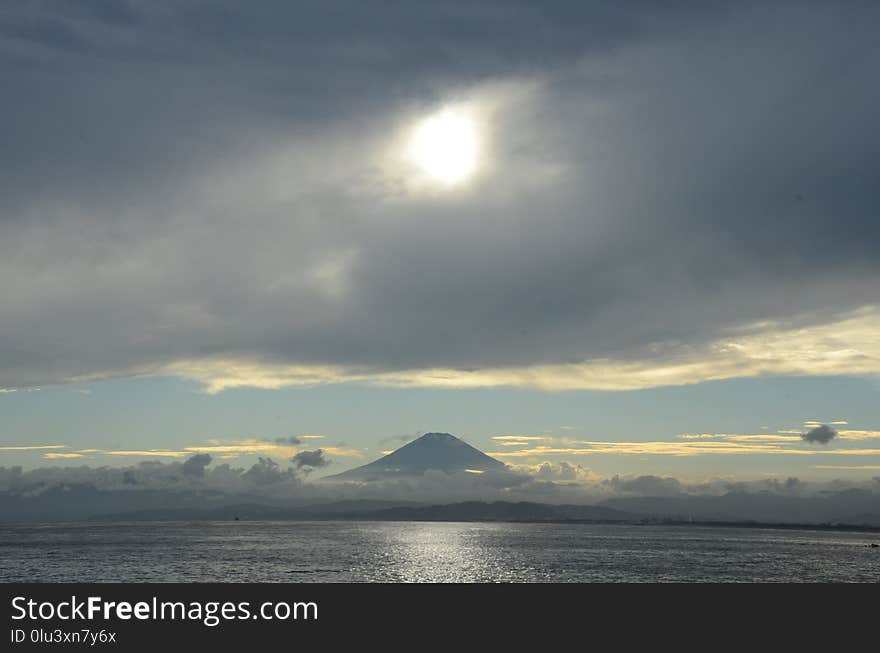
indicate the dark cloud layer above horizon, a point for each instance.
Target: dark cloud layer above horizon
{"x":198,"y":181}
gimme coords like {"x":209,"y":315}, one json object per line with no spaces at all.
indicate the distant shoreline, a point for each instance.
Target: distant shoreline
{"x":465,"y":512}
{"x":856,"y":528}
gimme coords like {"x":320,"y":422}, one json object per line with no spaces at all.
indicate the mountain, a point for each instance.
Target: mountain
{"x":437,"y":451}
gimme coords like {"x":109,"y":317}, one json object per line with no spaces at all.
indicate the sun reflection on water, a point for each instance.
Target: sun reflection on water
{"x":445,"y":553}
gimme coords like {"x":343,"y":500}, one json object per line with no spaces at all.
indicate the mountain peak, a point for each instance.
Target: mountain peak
{"x":431,"y":451}
{"x":437,"y":438}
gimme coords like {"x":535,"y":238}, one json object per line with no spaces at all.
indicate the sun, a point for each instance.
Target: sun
{"x":445,"y":146}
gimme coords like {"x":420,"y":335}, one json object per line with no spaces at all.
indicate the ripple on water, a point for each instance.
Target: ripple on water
{"x":430,"y":552}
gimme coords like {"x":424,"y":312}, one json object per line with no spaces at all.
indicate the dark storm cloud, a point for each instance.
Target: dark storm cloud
{"x":310,"y":459}
{"x":185,"y":181}
{"x":823,"y":434}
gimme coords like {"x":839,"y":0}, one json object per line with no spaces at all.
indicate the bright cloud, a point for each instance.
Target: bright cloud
{"x":843,"y":347}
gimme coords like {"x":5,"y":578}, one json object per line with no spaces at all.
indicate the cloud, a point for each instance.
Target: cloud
{"x":648,"y":485}
{"x":243,"y":446}
{"x":195,"y":465}
{"x":289,"y":440}
{"x":227,"y":449}
{"x":265,"y":477}
{"x":146,"y":453}
{"x":561,"y":471}
{"x":165,"y":485}
{"x":722,"y":445}
{"x":757,"y":437}
{"x":857,"y":434}
{"x":519,"y":440}
{"x":266,"y":472}
{"x":657,"y":448}
{"x":255,"y":229}
{"x":823,"y":434}
{"x":345,"y":452}
{"x":840,"y":347}
{"x":403,"y":439}
{"x":783,"y":436}
{"x":310,"y":460}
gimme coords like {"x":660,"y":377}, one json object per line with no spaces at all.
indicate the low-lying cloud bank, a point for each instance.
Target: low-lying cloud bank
{"x":82,"y":492}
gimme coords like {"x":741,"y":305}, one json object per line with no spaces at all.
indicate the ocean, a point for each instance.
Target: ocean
{"x":273,"y":552}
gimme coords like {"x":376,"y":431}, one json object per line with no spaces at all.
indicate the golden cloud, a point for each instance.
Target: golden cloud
{"x":223,"y":449}
{"x":161,"y":453}
{"x":343,"y":451}
{"x":847,"y":346}
{"x":687,"y":448}
{"x":518,"y":440}
{"x":858,"y":435}
{"x":784,"y":436}
{"x":757,"y":437}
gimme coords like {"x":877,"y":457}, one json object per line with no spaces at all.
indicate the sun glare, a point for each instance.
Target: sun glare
{"x":445,"y":146}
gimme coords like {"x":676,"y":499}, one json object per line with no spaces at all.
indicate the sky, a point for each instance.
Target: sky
{"x":654,"y":252}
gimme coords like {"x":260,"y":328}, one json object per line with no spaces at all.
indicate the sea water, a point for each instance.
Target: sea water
{"x":290,"y":551}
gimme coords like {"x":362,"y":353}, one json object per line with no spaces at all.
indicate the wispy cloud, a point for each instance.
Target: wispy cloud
{"x":519,"y":440}
{"x":858,"y":435}
{"x":756,"y":437}
{"x":843,"y":347}
{"x":227,"y":449}
{"x":787,"y":435}
{"x":733,"y":445}
{"x":343,"y":451}
{"x":253,"y":446}
{"x":148,"y":453}
{"x":246,"y":446}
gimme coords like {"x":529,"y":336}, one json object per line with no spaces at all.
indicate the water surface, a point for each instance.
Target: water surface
{"x":429,"y":552}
